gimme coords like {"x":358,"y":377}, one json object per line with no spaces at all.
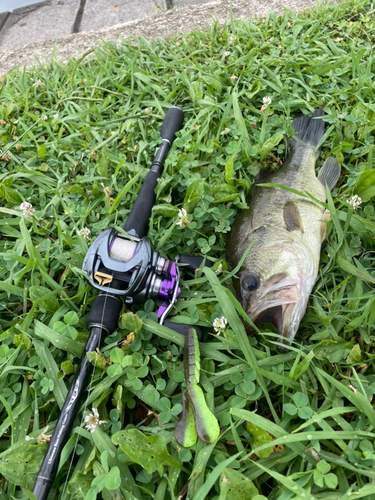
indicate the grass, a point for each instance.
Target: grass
{"x":76,"y":141}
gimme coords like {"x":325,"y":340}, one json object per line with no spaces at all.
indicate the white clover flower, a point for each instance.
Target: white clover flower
{"x":355,"y":201}
{"x":148,"y":111}
{"x":266,"y":102}
{"x":219,"y":269}
{"x":183,"y":218}
{"x":56,"y":116}
{"x":45,"y":118}
{"x":92,"y":420}
{"x":27,"y":208}
{"x":233,"y":78}
{"x":85,"y":232}
{"x":227,"y":53}
{"x":220,"y":324}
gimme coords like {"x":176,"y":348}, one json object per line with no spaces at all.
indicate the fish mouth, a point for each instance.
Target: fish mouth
{"x":279,"y":311}
{"x":272,"y":315}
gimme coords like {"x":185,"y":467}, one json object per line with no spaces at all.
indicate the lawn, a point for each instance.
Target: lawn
{"x":77,"y":139}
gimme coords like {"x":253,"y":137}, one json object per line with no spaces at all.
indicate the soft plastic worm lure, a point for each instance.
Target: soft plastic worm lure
{"x":197,"y":419}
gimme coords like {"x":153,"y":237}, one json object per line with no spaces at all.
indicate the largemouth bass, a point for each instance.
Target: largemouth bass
{"x":285,"y":232}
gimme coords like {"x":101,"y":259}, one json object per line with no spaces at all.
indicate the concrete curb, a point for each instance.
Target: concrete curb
{"x":169,"y":23}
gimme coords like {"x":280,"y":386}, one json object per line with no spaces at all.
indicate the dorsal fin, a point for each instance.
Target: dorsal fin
{"x":292,"y":217}
{"x":329,"y":173}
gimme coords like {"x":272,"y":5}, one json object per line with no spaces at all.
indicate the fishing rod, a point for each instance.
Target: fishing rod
{"x":123,"y":267}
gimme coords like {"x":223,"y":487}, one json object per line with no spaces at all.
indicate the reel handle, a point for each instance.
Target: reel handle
{"x":138,"y":219}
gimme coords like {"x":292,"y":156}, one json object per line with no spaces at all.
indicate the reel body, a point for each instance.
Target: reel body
{"x":129,"y":267}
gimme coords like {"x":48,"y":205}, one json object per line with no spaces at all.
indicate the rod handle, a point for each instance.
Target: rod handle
{"x":172,"y":123}
{"x":105,"y":312}
{"x":139,"y":217}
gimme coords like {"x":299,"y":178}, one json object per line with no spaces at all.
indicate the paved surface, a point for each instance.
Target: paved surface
{"x":44,"y":30}
{"x":51,"y":19}
{"x":38,"y":22}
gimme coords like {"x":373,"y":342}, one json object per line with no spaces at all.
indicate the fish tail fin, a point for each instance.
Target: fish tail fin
{"x":308,"y":130}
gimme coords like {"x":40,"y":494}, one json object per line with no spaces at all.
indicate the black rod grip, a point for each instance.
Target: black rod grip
{"x":48,"y":469}
{"x":139,"y":217}
{"x":172,"y":123}
{"x":182,"y":329}
{"x":104,"y":312}
{"x":194,"y":262}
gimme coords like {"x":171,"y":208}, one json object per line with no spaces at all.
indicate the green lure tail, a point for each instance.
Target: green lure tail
{"x":206,"y":423}
{"x":197,"y":420}
{"x":185,"y":432}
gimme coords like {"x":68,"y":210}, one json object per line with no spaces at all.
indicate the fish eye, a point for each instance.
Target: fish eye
{"x":250,"y":282}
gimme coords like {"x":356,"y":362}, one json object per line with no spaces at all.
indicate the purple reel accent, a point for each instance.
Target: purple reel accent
{"x":165,"y":268}
{"x":167,"y":288}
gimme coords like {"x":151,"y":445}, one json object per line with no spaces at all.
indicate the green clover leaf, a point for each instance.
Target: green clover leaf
{"x":305,"y":412}
{"x":300,"y":399}
{"x":331,"y":480}
{"x":117,"y":355}
{"x":318,"y":478}
{"x":290,"y":409}
{"x":322,"y":475}
{"x":323,"y":466}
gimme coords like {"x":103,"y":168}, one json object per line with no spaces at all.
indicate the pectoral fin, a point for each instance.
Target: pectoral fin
{"x":292,"y":217}
{"x":329,"y":173}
